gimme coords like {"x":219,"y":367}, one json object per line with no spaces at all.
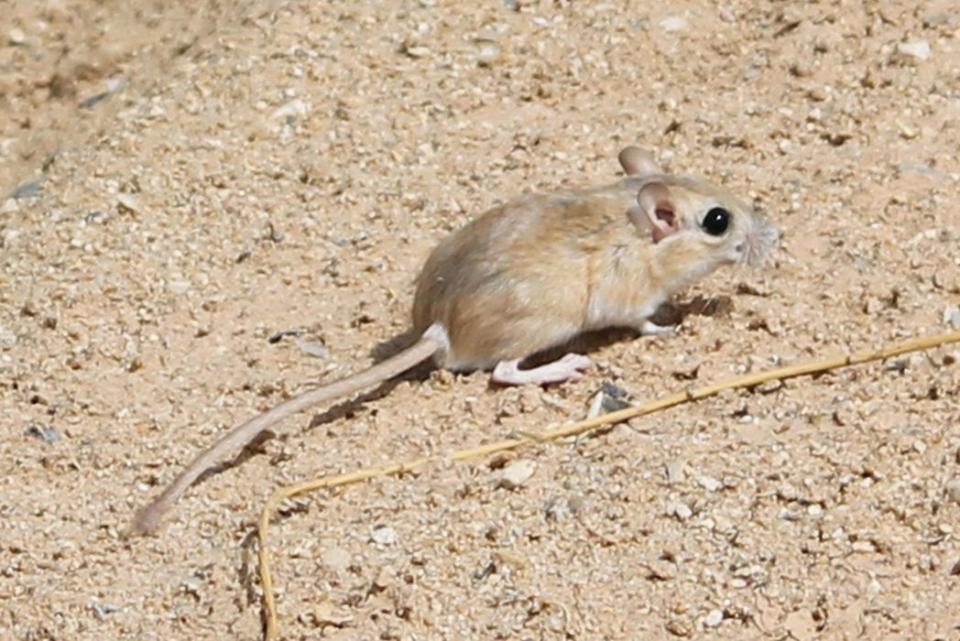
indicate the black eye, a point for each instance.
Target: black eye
{"x":716,"y":221}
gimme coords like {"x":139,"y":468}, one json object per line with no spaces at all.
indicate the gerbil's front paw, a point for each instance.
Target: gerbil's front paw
{"x":650,"y":328}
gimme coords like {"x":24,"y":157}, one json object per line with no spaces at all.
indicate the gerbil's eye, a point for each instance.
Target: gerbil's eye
{"x":716,"y":221}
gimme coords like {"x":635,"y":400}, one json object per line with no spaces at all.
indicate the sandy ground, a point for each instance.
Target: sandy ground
{"x":271,"y":166}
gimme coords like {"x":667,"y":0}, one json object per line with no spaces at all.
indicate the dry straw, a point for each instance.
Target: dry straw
{"x":572,"y":429}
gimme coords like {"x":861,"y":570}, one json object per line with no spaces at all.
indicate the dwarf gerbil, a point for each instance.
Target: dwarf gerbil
{"x":533,"y":273}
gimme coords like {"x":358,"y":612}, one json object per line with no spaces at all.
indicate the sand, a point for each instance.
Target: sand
{"x":194,"y":178}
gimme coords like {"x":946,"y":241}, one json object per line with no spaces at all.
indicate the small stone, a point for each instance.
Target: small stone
{"x":127,"y":203}
{"x":675,"y":472}
{"x":863,"y":546}
{"x":951,"y":316}
{"x":919,"y":49}
{"x":16,"y":36}
{"x":276,"y":337}
{"x":953,"y":490}
{"x":945,"y":528}
{"x":674,"y":23}
{"x":517,"y":473}
{"x":661,"y":570}
{"x":941,"y":20}
{"x":326,"y":614}
{"x":384,"y":535}
{"x":561,"y":507}
{"x":191,"y":585}
{"x":292,"y":111}
{"x":43,"y":432}
{"x":102,"y":610}
{"x":488,"y":55}
{"x":713,"y":618}
{"x":709,"y":483}
{"x":313,"y":348}
{"x":789,"y":515}
{"x":679,"y":628}
{"x":814,"y":510}
{"x":29,"y":189}
{"x":415,"y":51}
{"x":682,"y":511}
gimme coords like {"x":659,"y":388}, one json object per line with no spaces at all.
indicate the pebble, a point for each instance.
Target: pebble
{"x":488,"y":55}
{"x":102,"y":610}
{"x":941,"y":19}
{"x":294,"y":110}
{"x":27,"y":190}
{"x":384,"y":535}
{"x":709,"y":483}
{"x":416,"y":51}
{"x":919,"y":49}
{"x":16,"y":36}
{"x":713,"y":618}
{"x":951,"y":316}
{"x":44,"y":433}
{"x":675,"y":473}
{"x":517,"y":473}
{"x":128,"y":203}
{"x":674,"y":23}
{"x":682,"y":511}
{"x":313,"y":348}
{"x":953,"y":490}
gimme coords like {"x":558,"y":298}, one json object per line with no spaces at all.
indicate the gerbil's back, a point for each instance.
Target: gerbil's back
{"x":515,"y":280}
{"x":474,"y":256}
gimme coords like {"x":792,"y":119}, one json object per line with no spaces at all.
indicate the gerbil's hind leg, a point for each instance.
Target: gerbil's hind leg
{"x":649,"y":328}
{"x":568,"y":368}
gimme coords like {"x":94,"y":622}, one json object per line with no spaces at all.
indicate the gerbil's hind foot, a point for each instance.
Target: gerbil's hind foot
{"x":568,"y":368}
{"x":649,"y":328}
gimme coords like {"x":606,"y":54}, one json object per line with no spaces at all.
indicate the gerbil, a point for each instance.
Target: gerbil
{"x":533,"y":273}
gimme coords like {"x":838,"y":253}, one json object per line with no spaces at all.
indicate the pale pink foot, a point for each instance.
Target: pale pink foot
{"x":649,"y":328}
{"x":568,"y":368}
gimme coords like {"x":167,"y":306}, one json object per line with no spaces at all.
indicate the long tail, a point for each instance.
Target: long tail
{"x":148,"y":518}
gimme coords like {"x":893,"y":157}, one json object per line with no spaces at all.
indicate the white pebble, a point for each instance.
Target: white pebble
{"x":951,"y":316}
{"x":384,"y":535}
{"x":674,"y":23}
{"x":713,"y":618}
{"x":709,"y":483}
{"x":953,"y":490}
{"x":919,"y":49}
{"x":517,"y":473}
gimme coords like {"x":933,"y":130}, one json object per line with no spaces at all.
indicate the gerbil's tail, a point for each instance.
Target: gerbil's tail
{"x":432,"y":341}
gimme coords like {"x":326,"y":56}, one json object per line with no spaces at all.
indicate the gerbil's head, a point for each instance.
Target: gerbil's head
{"x":697,"y":227}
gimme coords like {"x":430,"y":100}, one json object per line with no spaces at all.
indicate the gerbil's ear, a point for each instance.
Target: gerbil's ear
{"x":636,"y":161}
{"x":655,"y":211}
